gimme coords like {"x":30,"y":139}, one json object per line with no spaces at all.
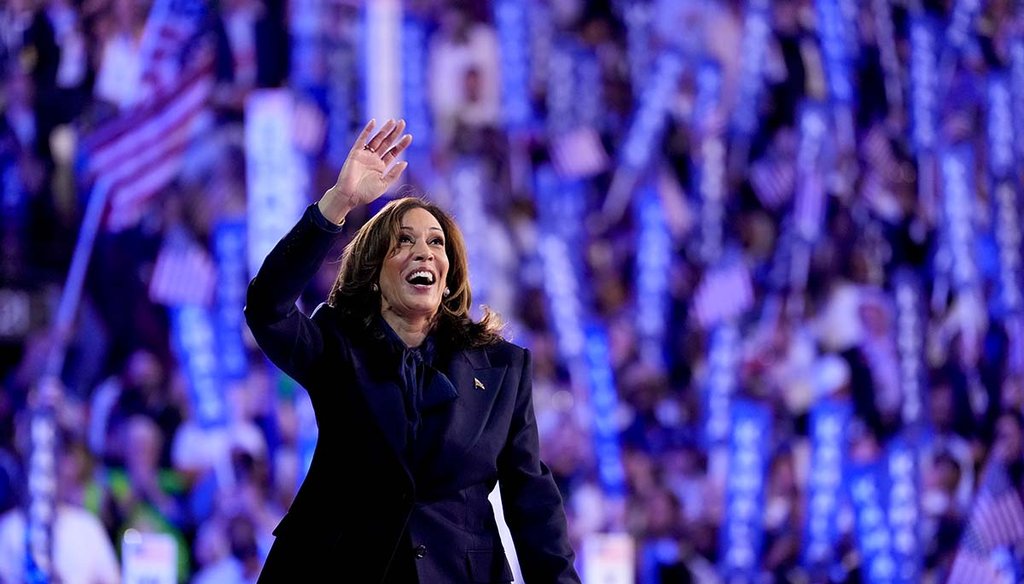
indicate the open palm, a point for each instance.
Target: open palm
{"x":370,"y":168}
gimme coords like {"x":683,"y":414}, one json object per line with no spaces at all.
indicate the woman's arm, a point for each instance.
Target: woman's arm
{"x":289,"y":338}
{"x":530,"y":499}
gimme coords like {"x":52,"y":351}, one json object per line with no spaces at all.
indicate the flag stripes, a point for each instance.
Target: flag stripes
{"x":996,"y":520}
{"x":579,"y":154}
{"x":141,"y":152}
{"x":183,"y":274}
{"x":724,"y":293}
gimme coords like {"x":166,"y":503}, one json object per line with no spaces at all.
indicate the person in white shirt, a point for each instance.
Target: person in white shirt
{"x":82,"y":549}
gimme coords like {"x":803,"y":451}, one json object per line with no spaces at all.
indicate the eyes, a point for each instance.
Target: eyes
{"x":434,"y":240}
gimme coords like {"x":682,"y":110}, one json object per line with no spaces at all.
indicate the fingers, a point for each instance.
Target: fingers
{"x":388,"y":143}
{"x":364,"y":134}
{"x":392,"y":136}
{"x":389,"y":135}
{"x":394,"y":173}
{"x":397,"y":149}
{"x":378,"y":140}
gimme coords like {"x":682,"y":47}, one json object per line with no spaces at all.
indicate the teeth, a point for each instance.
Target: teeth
{"x":422,"y":274}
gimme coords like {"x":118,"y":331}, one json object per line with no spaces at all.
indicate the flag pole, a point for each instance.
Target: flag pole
{"x":41,"y":510}
{"x":72,"y":292}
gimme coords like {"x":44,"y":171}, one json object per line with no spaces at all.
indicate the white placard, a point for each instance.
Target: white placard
{"x":608,"y":558}
{"x":277,"y":177}
{"x":149,"y":558}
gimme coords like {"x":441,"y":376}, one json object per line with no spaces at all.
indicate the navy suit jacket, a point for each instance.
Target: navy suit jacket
{"x":364,"y":512}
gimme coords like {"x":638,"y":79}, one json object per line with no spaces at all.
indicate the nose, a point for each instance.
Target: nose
{"x":422,"y":251}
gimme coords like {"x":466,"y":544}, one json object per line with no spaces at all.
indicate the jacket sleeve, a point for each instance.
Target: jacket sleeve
{"x":530,"y":499}
{"x":289,"y":338}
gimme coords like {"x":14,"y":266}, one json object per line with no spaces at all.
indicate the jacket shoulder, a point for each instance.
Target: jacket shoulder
{"x":323,"y":312}
{"x":331,"y":325}
{"x":505,"y":353}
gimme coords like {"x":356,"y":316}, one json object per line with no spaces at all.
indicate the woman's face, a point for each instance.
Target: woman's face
{"x":412,"y":279}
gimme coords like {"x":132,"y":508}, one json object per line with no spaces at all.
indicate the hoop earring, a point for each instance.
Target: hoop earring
{"x":375,"y":287}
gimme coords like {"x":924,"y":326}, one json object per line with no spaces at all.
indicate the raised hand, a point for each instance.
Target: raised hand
{"x":369,"y":170}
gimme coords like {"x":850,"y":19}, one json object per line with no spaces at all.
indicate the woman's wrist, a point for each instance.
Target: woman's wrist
{"x":335,"y":206}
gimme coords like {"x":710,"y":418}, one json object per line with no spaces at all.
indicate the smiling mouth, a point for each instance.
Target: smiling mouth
{"x":421,"y":278}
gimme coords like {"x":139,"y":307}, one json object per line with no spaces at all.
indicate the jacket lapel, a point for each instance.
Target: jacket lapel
{"x":384,"y":396}
{"x":477,"y":384}
{"x":437,"y":389}
{"x":462,"y":392}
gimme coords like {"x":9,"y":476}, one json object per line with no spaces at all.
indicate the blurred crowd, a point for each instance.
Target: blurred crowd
{"x":133,"y":455}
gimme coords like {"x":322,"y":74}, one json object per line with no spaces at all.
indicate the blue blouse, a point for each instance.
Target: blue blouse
{"x":423,"y":386}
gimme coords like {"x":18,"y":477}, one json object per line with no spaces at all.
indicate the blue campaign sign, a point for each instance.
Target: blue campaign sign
{"x":1017,"y":93}
{"x":958,"y":201}
{"x":604,"y":402}
{"x":904,"y":511}
{"x":560,"y":218}
{"x":749,"y":440}
{"x":306,"y":18}
{"x":999,"y":126}
{"x":193,"y":338}
{"x":589,"y":104}
{"x":583,"y":344}
{"x":1004,"y":189}
{"x":961,"y":21}
{"x":810,"y":199}
{"x":563,"y":294}
{"x":229,"y":241}
{"x":910,"y":319}
{"x":574,"y":97}
{"x":649,"y":121}
{"x":867,"y":487}
{"x":834,"y":49}
{"x":709,"y":176}
{"x":754,"y":48}
{"x":468,"y":186}
{"x":277,"y":177}
{"x":829,"y":420}
{"x":924,"y":82}
{"x":653,"y":262}
{"x":511,"y":20}
{"x":561,"y":87}
{"x":709,"y":94}
{"x":341,"y":97}
{"x":720,"y":382}
{"x":415,"y":105}
{"x":1006,"y":203}
{"x":639,"y":19}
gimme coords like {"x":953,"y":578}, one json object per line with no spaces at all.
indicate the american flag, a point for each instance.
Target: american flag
{"x":724,"y":293}
{"x":972,"y":564}
{"x":172,"y":30}
{"x":773,"y":181}
{"x":579,"y":153}
{"x":140,"y":151}
{"x":882,"y":167}
{"x":996,"y":520}
{"x":183,"y":274}
{"x":877,"y":152}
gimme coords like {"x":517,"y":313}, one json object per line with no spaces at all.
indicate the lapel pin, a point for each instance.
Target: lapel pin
{"x":478,"y":384}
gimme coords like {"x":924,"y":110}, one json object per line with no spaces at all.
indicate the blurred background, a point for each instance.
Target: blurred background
{"x":767,"y":256}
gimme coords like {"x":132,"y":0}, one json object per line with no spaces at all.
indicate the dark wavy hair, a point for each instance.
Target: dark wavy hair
{"x":358,"y":303}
